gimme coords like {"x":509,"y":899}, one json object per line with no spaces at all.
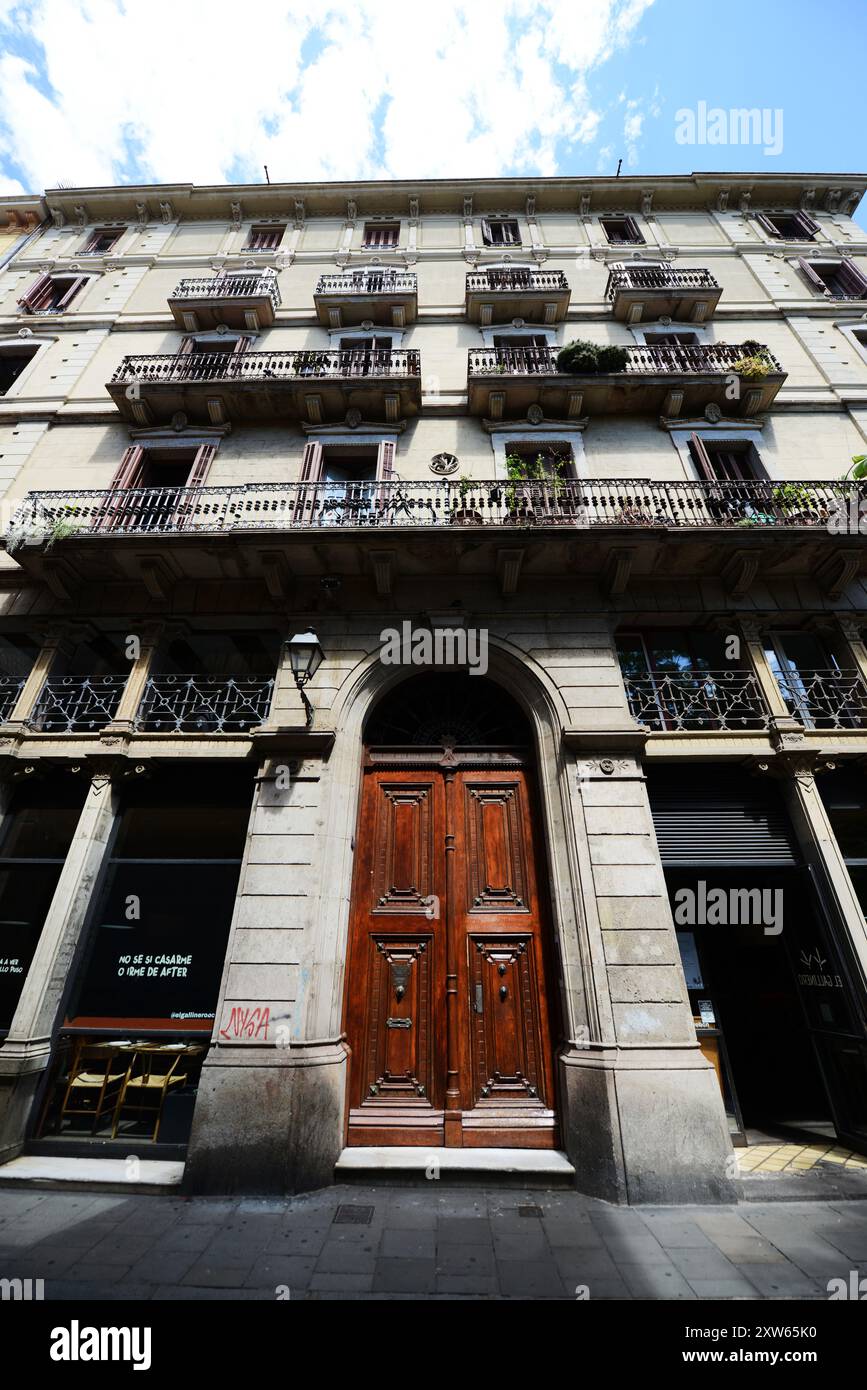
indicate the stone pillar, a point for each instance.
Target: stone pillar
{"x":57,"y":642}
{"x":643,"y":1118}
{"x":27,"y":1049}
{"x":127,"y":708}
{"x":782,"y":723}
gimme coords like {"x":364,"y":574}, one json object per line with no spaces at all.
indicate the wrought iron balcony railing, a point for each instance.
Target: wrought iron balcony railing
{"x":697,"y":701}
{"x":59,"y":518}
{"x":369,"y":282}
{"x":656,"y":278}
{"x":10,"y":689}
{"x":340,"y":364}
{"x":76,"y":704}
{"x":203,"y":704}
{"x":825,"y":699}
{"x":522,"y":280}
{"x":643,"y":360}
{"x":254,"y":284}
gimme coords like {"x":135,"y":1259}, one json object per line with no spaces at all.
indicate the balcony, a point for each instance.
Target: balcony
{"x":830,"y":699}
{"x":496,"y":296}
{"x":698,"y":701}
{"x":246,"y":300}
{"x":10,"y":689}
{"x":385,"y":297}
{"x":202,"y":704}
{"x":649,"y":292}
{"x":76,"y":704}
{"x":504,"y":383}
{"x":317,"y":387}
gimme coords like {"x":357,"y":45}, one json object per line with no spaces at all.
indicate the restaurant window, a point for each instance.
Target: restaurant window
{"x":143,"y":1003}
{"x":34,"y":840}
{"x":382,"y":236}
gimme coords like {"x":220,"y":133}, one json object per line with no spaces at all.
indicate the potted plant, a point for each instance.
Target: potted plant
{"x":466,"y":515}
{"x":797,"y":503}
{"x":518,"y":499}
{"x":755,"y":363}
{"x":581,"y":357}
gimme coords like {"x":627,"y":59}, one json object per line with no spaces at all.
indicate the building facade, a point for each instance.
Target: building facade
{"x":415,"y":735}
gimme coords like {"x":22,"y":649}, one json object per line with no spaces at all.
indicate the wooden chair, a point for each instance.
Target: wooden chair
{"x":151,"y":1075}
{"x":97,"y":1075}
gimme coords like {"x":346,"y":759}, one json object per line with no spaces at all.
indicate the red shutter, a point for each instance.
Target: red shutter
{"x":385,"y":461}
{"x":126,"y":476}
{"x":814,"y":278}
{"x":185,"y":510}
{"x":241,"y":344}
{"x":633,"y":230}
{"x":701,"y":458}
{"x":201,"y":465}
{"x":36,"y":291}
{"x":767,"y":226}
{"x":311,"y":473}
{"x":851,"y":279}
{"x":806,"y":224}
{"x":73,"y":290}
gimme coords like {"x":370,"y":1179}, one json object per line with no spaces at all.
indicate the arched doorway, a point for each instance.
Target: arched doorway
{"x":450,"y":1010}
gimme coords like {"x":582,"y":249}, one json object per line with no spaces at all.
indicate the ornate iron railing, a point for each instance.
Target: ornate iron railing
{"x":494,"y":280}
{"x":203,"y":704}
{"x":369,"y":281}
{"x":76,"y":704}
{"x":338,"y":364}
{"x":10,"y":689}
{"x":825,"y":699}
{"x":697,"y":700}
{"x":254,"y":284}
{"x":657,"y":278}
{"x":708,"y":359}
{"x":49,"y":518}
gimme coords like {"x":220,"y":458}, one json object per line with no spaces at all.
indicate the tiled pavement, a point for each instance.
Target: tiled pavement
{"x":779,"y":1158}
{"x":449,"y":1242}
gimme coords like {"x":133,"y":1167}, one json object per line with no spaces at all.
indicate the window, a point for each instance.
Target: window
{"x":382,"y":236}
{"x":520,"y":340}
{"x":377,"y":342}
{"x":816,"y":688}
{"x":52,"y":294}
{"x":621,"y":230}
{"x":836,"y":279}
{"x":796,"y":226}
{"x":12,"y":364}
{"x":680,"y":678}
{"x":101,"y":241}
{"x":500,"y":231}
{"x":236,"y":655}
{"x":264,"y":238}
{"x":545,"y":459}
{"x":672,"y":339}
{"x":82,"y":693}
{"x":35,"y":837}
{"x":726,"y":460}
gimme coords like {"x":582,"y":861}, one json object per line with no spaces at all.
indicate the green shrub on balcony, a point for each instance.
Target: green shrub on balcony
{"x":582,"y":357}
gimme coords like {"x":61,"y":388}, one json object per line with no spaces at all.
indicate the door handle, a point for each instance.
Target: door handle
{"x":503,"y":992}
{"x":477,"y":1005}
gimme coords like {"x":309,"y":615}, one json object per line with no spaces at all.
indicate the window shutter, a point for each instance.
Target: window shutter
{"x":806,"y":224}
{"x":37,"y":290}
{"x":767,"y":226}
{"x":311,"y":463}
{"x":129,"y":468}
{"x":487,"y":234}
{"x":385,"y":461}
{"x":851,"y":279}
{"x":814,"y":278}
{"x":73,"y":290}
{"x":633,"y":229}
{"x":241,"y":345}
{"x":201,"y":465}
{"x":732,"y":823}
{"x":701,"y":458}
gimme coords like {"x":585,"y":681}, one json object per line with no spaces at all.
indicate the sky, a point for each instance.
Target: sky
{"x":204,"y":91}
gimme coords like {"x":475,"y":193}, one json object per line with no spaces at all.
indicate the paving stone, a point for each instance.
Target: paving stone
{"x":405,"y":1276}
{"x":531,"y":1244}
{"x":292,"y":1270}
{"x":409,"y":1244}
{"x":781,"y":1281}
{"x":207,"y":1273}
{"x":465,"y":1259}
{"x":346,"y":1284}
{"x":456,"y":1230}
{"x":531,"y":1279}
{"x":466,"y":1284}
{"x":351,"y":1259}
{"x":655,"y":1281}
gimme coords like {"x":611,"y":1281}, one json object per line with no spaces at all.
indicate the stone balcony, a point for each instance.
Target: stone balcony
{"x":610,"y":531}
{"x":312,"y":386}
{"x":500,"y":295}
{"x":649,"y":292}
{"x":243,"y":299}
{"x":385,"y":297}
{"x":506,"y":383}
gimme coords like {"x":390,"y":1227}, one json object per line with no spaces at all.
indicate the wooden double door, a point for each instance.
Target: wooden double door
{"x":448,"y":1015}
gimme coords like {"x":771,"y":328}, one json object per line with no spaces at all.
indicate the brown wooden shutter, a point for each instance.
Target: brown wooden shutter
{"x":241,"y":345}
{"x":127,"y":475}
{"x":767,"y":225}
{"x":701,"y":458}
{"x":73,"y":290}
{"x":311,"y":463}
{"x":851,"y":279}
{"x":37,"y":290}
{"x":633,"y":229}
{"x":385,"y":461}
{"x":806,"y":224}
{"x":813,"y":276}
{"x":201,"y":465}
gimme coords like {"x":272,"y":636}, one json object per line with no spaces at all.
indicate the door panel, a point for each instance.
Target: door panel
{"x":419,"y":923}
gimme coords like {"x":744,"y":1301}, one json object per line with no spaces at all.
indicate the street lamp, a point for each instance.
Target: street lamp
{"x":306,"y":656}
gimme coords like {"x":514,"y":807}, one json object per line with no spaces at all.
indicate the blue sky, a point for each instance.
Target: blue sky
{"x":99,"y":91}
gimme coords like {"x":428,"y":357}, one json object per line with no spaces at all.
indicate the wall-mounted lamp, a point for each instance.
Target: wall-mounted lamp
{"x":306,"y":656}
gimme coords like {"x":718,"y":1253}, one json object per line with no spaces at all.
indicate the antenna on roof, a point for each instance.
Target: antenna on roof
{"x":619,"y":164}
{"x":265,"y":167}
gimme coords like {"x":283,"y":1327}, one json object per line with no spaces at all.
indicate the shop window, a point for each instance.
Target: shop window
{"x":143,"y":1004}
{"x":34,"y":839}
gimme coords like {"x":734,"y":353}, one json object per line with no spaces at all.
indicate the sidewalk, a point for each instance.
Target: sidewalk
{"x":353,"y":1241}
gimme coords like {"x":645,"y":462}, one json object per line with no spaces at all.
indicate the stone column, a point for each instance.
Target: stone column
{"x":57,"y":643}
{"x":782,"y":723}
{"x":27,"y":1049}
{"x":127,"y":708}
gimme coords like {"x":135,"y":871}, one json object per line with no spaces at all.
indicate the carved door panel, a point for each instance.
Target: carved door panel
{"x":446,"y":1015}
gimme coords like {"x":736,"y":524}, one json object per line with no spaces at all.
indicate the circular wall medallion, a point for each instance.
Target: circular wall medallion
{"x":713,"y":413}
{"x":535,"y":415}
{"x":665,"y":319}
{"x":367,"y":324}
{"x":443,"y":464}
{"x":353,"y":418}
{"x":179,"y":421}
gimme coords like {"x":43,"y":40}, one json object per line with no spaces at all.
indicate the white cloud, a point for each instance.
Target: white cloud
{"x":201,"y":91}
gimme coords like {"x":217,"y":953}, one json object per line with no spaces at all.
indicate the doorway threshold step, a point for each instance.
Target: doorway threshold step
{"x":512,"y":1167}
{"x":148,"y":1176}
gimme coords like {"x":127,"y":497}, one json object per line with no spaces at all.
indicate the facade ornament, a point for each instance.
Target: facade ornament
{"x":141,"y":211}
{"x":236,"y":215}
{"x":584,"y":205}
{"x":166,"y":212}
{"x":57,"y":217}
{"x":850,"y":202}
{"x":300,"y":213}
{"x":468,"y":208}
{"x":722,"y":200}
{"x":444,"y":464}
{"x":25,"y":333}
{"x":808,"y":198}
{"x":353,"y":418}
{"x":531,"y":207}
{"x":535,"y":415}
{"x":647,"y":203}
{"x":744,"y":202}
{"x":832,"y":199}
{"x":712,"y":413}
{"x":413,"y":209}
{"x":351,"y":211}
{"x":81,"y":214}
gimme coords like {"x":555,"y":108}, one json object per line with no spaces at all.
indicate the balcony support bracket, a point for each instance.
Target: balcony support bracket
{"x":739,"y":571}
{"x":509,"y":564}
{"x":835,"y":573}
